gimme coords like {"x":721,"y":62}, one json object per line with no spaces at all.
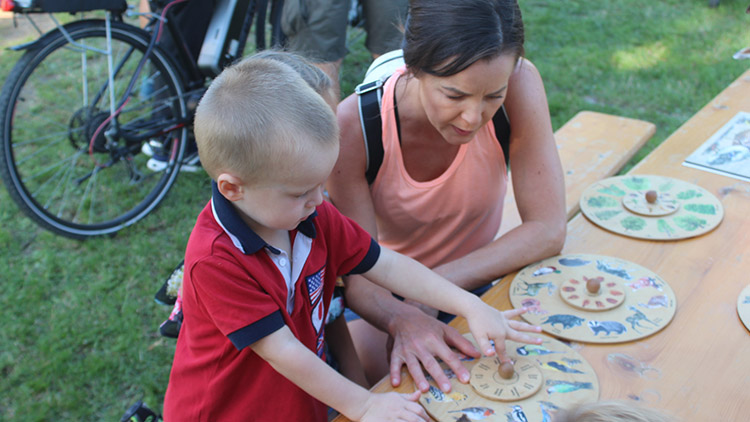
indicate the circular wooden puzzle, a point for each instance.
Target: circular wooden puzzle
{"x":743,"y":307}
{"x":593,"y":298}
{"x":542,"y":379}
{"x":651,"y":207}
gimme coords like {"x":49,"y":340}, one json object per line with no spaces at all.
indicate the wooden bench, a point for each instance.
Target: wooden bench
{"x":592,"y":146}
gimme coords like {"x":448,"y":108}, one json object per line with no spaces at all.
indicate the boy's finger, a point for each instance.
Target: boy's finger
{"x":523,"y":338}
{"x":514,"y":312}
{"x":413,"y":396}
{"x":485,"y":346}
{"x":523,"y":326}
{"x":500,"y":350}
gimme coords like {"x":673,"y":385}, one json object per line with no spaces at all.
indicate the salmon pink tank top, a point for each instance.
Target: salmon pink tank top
{"x":443,"y":219}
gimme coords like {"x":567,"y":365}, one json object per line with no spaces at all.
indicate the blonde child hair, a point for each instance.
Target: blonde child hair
{"x":257,"y":118}
{"x":314,"y":76}
{"x":610,"y":411}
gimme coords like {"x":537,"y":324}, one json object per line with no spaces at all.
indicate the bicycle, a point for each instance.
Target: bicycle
{"x":88,"y":101}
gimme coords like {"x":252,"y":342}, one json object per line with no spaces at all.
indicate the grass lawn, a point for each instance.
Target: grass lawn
{"x":79,"y":337}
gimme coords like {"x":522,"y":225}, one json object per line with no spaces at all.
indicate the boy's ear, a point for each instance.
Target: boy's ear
{"x":230,"y":186}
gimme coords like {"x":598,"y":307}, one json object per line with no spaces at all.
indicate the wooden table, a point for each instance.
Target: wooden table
{"x":698,"y":367}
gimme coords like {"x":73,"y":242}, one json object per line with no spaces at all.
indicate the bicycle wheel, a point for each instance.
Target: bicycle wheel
{"x":66,"y":162}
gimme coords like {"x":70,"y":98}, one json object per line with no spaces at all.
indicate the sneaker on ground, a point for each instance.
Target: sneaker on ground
{"x":167,"y":294}
{"x":158,"y":162}
{"x":190,"y":164}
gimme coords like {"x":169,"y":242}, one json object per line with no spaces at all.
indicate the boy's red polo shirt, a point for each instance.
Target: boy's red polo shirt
{"x":234,"y":295}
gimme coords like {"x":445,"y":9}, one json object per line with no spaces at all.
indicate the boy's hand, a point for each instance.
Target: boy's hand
{"x":488,"y":324}
{"x":394,"y":407}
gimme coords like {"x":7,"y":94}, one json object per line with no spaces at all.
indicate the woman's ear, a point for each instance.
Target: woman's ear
{"x":230,"y":186}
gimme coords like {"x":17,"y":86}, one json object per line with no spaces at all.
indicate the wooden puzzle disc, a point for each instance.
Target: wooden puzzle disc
{"x":649,"y":303}
{"x":640,"y":203}
{"x":565,"y":379}
{"x":608,"y":295}
{"x":525,"y":380}
{"x":743,"y":307}
{"x":680,"y":210}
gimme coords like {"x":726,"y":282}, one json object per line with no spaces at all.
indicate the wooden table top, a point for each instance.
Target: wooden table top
{"x":698,"y":367}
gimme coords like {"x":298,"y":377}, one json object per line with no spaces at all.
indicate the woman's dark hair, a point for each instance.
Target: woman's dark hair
{"x":444,"y":37}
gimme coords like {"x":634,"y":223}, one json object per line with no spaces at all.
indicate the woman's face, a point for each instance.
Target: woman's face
{"x":459,"y":105}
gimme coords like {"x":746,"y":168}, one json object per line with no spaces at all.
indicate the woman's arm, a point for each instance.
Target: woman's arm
{"x":538,"y":185}
{"x":417,"y":337}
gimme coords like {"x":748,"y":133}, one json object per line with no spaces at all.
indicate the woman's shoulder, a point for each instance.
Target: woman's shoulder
{"x":525,"y":72}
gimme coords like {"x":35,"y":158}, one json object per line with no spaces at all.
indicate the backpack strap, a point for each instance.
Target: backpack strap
{"x":502,"y":133}
{"x":369,"y":98}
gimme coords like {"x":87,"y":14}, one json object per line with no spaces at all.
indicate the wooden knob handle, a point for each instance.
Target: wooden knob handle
{"x":651,"y":196}
{"x":506,"y":370}
{"x":593,"y":285}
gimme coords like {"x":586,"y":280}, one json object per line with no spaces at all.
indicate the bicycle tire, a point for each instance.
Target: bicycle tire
{"x":57,"y":163}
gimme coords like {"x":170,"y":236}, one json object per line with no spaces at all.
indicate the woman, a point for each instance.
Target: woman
{"x":438,"y":195}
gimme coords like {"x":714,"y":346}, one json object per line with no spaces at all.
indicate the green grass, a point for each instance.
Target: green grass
{"x":79,"y":336}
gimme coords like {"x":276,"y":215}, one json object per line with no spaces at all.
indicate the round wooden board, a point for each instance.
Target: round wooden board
{"x":567,"y":380}
{"x":743,"y":307}
{"x":649,"y":304}
{"x":618,"y":205}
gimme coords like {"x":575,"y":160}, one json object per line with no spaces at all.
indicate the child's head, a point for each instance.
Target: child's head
{"x":313,"y":75}
{"x":258,"y":119}
{"x":609,"y":411}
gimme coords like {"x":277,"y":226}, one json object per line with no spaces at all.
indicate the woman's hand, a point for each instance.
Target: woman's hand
{"x":418,"y":340}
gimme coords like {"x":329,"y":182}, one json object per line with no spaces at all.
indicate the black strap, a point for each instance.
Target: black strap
{"x":372,"y":127}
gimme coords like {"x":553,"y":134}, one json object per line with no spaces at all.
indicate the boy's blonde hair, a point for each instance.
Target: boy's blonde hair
{"x":610,"y":411}
{"x":314,"y":76}
{"x":258,"y":118}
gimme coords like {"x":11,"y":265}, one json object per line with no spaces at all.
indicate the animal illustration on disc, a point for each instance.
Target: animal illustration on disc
{"x":593,"y":298}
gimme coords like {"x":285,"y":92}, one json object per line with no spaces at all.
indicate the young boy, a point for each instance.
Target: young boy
{"x":262,"y":261}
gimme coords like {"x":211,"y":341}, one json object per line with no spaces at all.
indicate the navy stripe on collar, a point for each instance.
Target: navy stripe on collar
{"x":229,"y":218}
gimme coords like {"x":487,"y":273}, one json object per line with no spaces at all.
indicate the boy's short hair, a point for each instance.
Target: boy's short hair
{"x":313,"y":75}
{"x":260,"y":116}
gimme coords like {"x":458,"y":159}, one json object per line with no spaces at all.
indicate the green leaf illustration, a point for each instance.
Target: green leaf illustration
{"x":602,"y":202}
{"x":689,"y":194}
{"x":637,"y":183}
{"x":689,"y":222}
{"x":612,"y":190}
{"x":607,"y":214}
{"x":633,"y":223}
{"x":664,"y":227}
{"x":701,"y":208}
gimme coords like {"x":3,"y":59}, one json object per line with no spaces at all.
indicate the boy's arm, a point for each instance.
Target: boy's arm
{"x":289,"y":357}
{"x":410,"y":279}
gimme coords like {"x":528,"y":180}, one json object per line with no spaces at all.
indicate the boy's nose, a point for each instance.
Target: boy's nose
{"x":316,"y":197}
